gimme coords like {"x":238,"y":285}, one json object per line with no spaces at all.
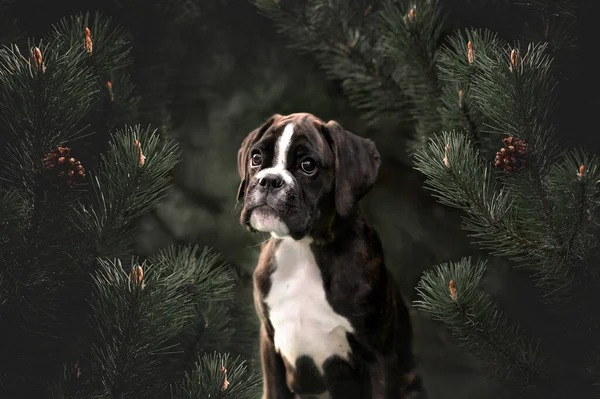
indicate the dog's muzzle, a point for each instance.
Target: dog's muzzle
{"x":273,"y":205}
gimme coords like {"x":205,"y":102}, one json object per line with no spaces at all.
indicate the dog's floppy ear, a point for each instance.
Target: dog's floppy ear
{"x":244,"y":152}
{"x":357,"y":164}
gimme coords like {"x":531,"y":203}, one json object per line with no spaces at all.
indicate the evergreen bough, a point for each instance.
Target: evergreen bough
{"x":82,"y":316}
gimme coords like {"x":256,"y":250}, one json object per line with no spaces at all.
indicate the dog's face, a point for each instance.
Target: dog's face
{"x":297,"y":169}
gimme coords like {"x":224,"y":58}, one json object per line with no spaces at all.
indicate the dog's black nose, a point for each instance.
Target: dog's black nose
{"x":271,"y":181}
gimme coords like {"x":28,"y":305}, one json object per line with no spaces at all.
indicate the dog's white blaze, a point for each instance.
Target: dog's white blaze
{"x":282,"y":147}
{"x":303,"y":320}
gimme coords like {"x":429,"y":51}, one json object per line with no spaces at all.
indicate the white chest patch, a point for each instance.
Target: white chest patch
{"x":303,"y":320}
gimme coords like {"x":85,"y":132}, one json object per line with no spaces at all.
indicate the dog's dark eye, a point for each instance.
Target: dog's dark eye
{"x":256,"y":159}
{"x":308,"y":166}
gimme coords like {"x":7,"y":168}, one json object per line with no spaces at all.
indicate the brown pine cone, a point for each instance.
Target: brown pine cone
{"x":511,"y":157}
{"x":62,"y":168}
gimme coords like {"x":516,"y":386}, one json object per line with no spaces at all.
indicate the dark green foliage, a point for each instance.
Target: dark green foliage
{"x":386,"y":57}
{"x":520,"y":220}
{"x":138,"y":324}
{"x":344,"y":39}
{"x":574,"y":201}
{"x":468,"y":183}
{"x":554,"y":23}
{"x":541,"y":216}
{"x":124,"y":189}
{"x":133,"y":323}
{"x":477,"y":324}
{"x":410,"y":33}
{"x":123,"y":97}
{"x":111,"y":48}
{"x":82,"y":316}
{"x":461,"y":110}
{"x":518,"y":101}
{"x":207,"y":380}
{"x":206,"y":276}
{"x":12,"y":214}
{"x":41,"y":104}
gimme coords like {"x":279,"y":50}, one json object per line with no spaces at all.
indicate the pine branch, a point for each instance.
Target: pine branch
{"x":205,"y":274}
{"x":518,"y":100}
{"x":550,"y":21}
{"x":527,"y":86}
{"x":121,"y":95}
{"x":138,"y":314}
{"x":410,"y":34}
{"x":44,"y":94}
{"x":211,"y":331}
{"x":14,"y":216}
{"x":217,"y":376}
{"x":451,"y":294}
{"x":405,"y":55}
{"x":245,"y":323}
{"x":574,"y":190}
{"x":34,"y":255}
{"x":459,"y":178}
{"x":512,"y":94}
{"x":135,"y":311}
{"x":556,"y":23}
{"x":344,"y":37}
{"x":131,"y":180}
{"x":216,"y":332}
{"x":457,"y":66}
{"x":107,"y":48}
{"x":213,"y":289}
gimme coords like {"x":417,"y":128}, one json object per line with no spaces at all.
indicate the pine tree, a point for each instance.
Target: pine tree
{"x":478,"y":112}
{"x":81,"y":315}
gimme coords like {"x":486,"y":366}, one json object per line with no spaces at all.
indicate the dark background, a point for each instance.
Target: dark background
{"x":213,"y":76}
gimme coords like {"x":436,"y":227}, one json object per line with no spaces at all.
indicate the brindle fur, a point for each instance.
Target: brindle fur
{"x":358,"y":286}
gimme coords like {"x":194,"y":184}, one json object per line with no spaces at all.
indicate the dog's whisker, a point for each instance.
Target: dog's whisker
{"x":259,"y":244}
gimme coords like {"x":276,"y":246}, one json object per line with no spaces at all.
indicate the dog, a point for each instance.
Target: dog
{"x":333,"y":322}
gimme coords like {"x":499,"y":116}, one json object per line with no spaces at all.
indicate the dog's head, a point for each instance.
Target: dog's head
{"x":297,"y":169}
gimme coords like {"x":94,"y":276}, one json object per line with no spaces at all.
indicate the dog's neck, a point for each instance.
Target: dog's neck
{"x":332,"y":227}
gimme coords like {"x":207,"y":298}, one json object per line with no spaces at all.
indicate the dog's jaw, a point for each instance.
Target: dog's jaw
{"x":262,"y":219}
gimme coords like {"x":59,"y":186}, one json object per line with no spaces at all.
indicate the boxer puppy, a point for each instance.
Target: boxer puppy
{"x":333,"y":323}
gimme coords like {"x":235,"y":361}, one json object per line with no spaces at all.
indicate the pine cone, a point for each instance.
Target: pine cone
{"x":63,"y":169}
{"x":512,"y":156}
